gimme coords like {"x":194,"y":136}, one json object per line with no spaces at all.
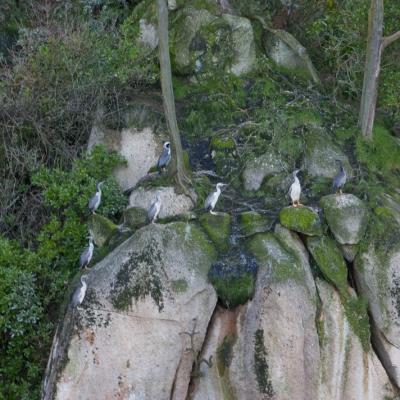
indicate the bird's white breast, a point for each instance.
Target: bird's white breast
{"x":295,"y":190}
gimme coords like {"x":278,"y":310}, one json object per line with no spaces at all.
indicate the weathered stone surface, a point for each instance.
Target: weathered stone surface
{"x":171,"y":203}
{"x":320,"y":155}
{"x":377,"y":275}
{"x":349,"y":251}
{"x":258,"y":168}
{"x":301,"y":219}
{"x":130,"y":337}
{"x":347,"y":217}
{"x":202,"y":42}
{"x":148,"y":34}
{"x":347,"y":371}
{"x":135,"y":217}
{"x":289,"y":54}
{"x":101,"y":228}
{"x":140,"y":148}
{"x":251,"y":222}
{"x":213,"y":382}
{"x":329,"y":260}
{"x":218,"y":228}
{"x":276,"y":354}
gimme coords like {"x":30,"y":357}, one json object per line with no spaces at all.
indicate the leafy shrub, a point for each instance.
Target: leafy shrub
{"x":33,"y":284}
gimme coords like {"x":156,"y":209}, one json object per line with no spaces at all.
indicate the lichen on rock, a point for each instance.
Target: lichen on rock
{"x":347,"y":217}
{"x":102,"y":229}
{"x":218,"y":228}
{"x":329,"y":260}
{"x":301,"y":219}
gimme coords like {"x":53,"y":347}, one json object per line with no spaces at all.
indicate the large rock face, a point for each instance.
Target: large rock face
{"x":347,"y":217}
{"x":347,"y":371}
{"x":202,"y":42}
{"x":276,"y":354}
{"x":172,"y":203}
{"x":377,"y":274}
{"x":258,"y":168}
{"x":140,"y":148}
{"x":143,"y":320}
{"x":320,"y":155}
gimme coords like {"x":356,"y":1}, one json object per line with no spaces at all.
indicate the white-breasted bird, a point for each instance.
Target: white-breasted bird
{"x":165,"y":157}
{"x":80,"y":292}
{"x":87,"y":254}
{"x":295,"y":189}
{"x":212,"y":198}
{"x":95,"y":200}
{"x":154,"y":209}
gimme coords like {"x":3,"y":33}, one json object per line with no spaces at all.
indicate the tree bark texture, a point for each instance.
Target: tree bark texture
{"x":372,"y":68}
{"x":168,"y":95}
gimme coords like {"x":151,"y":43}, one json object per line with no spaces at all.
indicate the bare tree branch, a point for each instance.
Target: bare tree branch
{"x":390,"y":39}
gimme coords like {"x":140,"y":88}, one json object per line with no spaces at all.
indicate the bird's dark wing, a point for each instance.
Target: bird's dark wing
{"x":339,"y":180}
{"x":75,"y":297}
{"x":83,"y":259}
{"x":93,"y":201}
{"x":152,"y":211}
{"x":164,"y":159}
{"x":208,"y":201}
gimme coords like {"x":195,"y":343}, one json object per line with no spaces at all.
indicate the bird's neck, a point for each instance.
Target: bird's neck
{"x":296,"y":179}
{"x":91,"y":245}
{"x":218,"y":190}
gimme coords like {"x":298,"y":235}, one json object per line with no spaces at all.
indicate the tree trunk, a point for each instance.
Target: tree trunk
{"x":372,"y":68}
{"x":168,"y":97}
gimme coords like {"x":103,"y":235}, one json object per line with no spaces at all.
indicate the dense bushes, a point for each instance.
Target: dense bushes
{"x":33,"y":283}
{"x":67,"y":65}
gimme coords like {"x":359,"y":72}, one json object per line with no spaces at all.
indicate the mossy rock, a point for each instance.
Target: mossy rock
{"x":102,"y":229}
{"x":321,"y":155}
{"x":218,"y":228}
{"x":349,"y":251}
{"x":347,"y":217}
{"x":222,"y":144}
{"x":329,"y":260}
{"x":235,"y":290}
{"x":301,"y":219}
{"x":251,"y":222}
{"x":135,"y":217}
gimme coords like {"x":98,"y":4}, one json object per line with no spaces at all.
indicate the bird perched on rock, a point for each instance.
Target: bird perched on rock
{"x":154,"y":209}
{"x":164,"y":158}
{"x":340,"y":179}
{"x":87,"y":254}
{"x":295,"y":189}
{"x":80,"y":292}
{"x":95,"y":200}
{"x":212,"y":198}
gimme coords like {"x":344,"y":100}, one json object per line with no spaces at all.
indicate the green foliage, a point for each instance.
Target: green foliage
{"x":382,"y":154}
{"x":33,"y":283}
{"x":24,"y":331}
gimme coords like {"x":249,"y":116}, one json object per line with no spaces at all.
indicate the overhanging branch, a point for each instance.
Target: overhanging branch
{"x":390,"y":39}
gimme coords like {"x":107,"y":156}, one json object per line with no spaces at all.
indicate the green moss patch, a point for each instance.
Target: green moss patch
{"x":301,"y":219}
{"x":271,"y":253}
{"x":218,"y":228}
{"x":356,"y":312}
{"x":329,"y":260}
{"x":135,"y":217}
{"x":233,"y":280}
{"x":102,"y":229}
{"x":138,"y":277}
{"x":251,"y":222}
{"x":179,"y":285}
